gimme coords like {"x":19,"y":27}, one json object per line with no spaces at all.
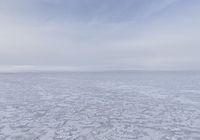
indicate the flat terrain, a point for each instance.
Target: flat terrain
{"x":100,"y":106}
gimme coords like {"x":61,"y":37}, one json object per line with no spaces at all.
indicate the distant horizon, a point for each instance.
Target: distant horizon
{"x":25,"y":68}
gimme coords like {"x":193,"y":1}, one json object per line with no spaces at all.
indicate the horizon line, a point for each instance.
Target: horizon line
{"x":35,"y":69}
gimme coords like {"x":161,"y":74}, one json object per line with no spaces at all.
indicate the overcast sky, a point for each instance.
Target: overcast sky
{"x":112,"y":34}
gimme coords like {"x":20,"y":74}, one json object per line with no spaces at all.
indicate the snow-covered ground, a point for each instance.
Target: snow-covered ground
{"x":100,"y":106}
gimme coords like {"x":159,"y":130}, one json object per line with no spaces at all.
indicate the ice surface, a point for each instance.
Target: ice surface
{"x":100,"y":106}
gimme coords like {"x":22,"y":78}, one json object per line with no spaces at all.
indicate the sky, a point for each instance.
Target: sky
{"x":100,"y":34}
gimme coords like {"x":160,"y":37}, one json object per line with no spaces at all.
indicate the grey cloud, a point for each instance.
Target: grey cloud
{"x":162,"y":35}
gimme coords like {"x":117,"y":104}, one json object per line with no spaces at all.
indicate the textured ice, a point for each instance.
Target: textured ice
{"x":100,"y":106}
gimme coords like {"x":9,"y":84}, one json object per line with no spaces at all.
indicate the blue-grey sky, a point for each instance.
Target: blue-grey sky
{"x":111,"y":34}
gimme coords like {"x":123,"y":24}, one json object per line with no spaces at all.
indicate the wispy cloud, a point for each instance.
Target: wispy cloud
{"x":146,"y":34}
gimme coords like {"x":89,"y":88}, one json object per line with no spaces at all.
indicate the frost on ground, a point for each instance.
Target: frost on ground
{"x":100,"y":106}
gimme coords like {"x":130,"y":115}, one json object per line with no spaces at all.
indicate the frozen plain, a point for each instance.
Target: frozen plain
{"x":100,"y":106}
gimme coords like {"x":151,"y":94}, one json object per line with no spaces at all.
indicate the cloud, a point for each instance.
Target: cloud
{"x":133,"y":34}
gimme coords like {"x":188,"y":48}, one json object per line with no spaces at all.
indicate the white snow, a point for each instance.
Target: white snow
{"x":100,"y":106}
